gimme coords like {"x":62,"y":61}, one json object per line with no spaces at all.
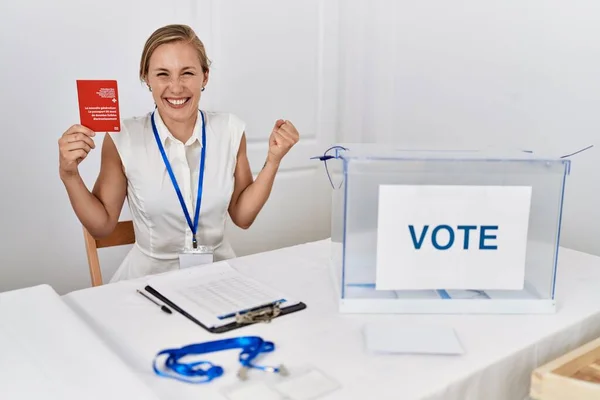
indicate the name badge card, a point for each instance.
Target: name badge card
{"x":99,"y":105}
{"x":452,"y":237}
{"x":199,"y":256}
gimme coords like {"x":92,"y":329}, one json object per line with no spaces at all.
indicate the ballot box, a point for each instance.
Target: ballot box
{"x":440,"y":231}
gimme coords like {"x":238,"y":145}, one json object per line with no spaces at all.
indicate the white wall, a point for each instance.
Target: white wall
{"x":270,"y":60}
{"x":514,"y":73}
{"x":521,"y":74}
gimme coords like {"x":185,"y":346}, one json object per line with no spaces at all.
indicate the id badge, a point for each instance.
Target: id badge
{"x":194,"y":257}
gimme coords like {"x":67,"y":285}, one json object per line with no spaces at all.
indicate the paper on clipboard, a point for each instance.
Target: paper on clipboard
{"x":215,"y":293}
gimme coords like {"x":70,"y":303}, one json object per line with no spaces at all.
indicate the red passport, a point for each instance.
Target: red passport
{"x":99,"y":105}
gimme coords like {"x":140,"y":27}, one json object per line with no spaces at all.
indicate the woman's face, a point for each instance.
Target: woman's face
{"x":176,"y":78}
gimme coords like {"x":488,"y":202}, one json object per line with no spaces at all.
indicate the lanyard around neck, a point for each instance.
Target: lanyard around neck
{"x":193,"y":225}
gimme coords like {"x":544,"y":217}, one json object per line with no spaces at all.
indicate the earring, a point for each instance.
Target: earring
{"x":203,"y":88}
{"x":149,"y":88}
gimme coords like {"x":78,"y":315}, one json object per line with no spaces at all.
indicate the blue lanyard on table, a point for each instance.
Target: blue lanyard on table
{"x":193,"y":225}
{"x":205,"y":371}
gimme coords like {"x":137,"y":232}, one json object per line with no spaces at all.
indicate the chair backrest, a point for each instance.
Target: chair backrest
{"x":123,"y":234}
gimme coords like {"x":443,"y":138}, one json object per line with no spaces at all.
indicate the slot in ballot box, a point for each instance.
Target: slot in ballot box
{"x":445,"y":231}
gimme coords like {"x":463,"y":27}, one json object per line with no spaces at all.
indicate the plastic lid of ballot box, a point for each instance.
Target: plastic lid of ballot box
{"x":428,"y":231}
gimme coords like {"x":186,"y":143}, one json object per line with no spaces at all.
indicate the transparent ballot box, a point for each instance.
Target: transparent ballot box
{"x":445,"y":231}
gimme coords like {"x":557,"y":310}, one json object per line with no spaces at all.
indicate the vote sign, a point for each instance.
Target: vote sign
{"x":452,"y":237}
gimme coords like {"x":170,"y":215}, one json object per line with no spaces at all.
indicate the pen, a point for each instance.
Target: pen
{"x":162,"y":307}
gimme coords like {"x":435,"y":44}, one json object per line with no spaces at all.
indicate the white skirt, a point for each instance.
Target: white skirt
{"x":138,"y":264}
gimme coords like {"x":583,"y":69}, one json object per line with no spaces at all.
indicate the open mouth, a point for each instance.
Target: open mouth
{"x":177,"y":103}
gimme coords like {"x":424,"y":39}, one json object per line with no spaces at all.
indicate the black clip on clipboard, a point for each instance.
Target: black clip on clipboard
{"x":263,"y":314}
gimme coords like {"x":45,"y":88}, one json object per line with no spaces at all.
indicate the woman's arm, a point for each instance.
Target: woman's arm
{"x":99,"y":210}
{"x":249,"y":195}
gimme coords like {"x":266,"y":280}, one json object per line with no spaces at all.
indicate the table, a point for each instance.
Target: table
{"x":500,"y":350}
{"x":48,"y":352}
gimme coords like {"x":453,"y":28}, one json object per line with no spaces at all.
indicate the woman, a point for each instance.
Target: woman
{"x":173,"y":155}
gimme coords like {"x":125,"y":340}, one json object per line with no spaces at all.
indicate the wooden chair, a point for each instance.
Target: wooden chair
{"x":122,"y":235}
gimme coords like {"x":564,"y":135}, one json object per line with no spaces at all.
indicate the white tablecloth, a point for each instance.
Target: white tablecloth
{"x":500,"y":350}
{"x":47,"y":352}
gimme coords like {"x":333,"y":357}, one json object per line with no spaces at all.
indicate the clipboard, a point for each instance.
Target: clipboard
{"x":220,"y":299}
{"x":263,"y":314}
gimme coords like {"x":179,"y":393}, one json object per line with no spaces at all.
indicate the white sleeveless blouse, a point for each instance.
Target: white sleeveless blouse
{"x":161,"y":229}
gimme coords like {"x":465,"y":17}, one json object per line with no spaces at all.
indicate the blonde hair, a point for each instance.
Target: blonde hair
{"x":169,"y":34}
